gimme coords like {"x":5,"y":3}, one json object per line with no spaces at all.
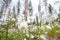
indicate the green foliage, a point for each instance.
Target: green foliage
{"x":54,"y":31}
{"x":2,"y":35}
{"x":58,"y":17}
{"x":37,"y":21}
{"x":6,"y":26}
{"x":34,"y":21}
{"x":46,"y":23}
{"x":21,"y":35}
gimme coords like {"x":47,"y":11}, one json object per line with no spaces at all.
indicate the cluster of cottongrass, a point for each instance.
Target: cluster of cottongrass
{"x":29,"y":32}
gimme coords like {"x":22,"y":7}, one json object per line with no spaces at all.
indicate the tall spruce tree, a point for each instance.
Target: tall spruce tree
{"x":59,"y":9}
{"x":50,"y":9}
{"x":1,"y":12}
{"x":39,"y":10}
{"x":30,"y":8}
{"x":18,"y":7}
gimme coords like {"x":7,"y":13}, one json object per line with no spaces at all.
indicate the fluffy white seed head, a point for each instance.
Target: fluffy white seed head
{"x":23,"y":25}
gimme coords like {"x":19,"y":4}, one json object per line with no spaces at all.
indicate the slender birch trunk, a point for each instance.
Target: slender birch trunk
{"x":26,"y":9}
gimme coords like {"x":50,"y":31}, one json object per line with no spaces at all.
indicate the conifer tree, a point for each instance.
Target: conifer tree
{"x":30,"y":8}
{"x":50,"y":9}
{"x":1,"y":12}
{"x":18,"y":7}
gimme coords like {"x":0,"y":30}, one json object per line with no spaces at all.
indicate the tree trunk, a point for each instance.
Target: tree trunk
{"x":26,"y":9}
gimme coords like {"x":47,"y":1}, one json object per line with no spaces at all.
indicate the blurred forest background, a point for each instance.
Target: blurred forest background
{"x":29,"y":19}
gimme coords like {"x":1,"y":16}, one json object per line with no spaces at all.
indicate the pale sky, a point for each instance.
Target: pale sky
{"x":34,"y":4}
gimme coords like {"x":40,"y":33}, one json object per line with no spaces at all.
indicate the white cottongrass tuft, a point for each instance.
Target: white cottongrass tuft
{"x":48,"y":27}
{"x":43,"y":37}
{"x":32,"y":36}
{"x":23,"y":25}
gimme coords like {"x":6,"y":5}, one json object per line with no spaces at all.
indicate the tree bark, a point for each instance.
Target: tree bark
{"x":26,"y":9}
